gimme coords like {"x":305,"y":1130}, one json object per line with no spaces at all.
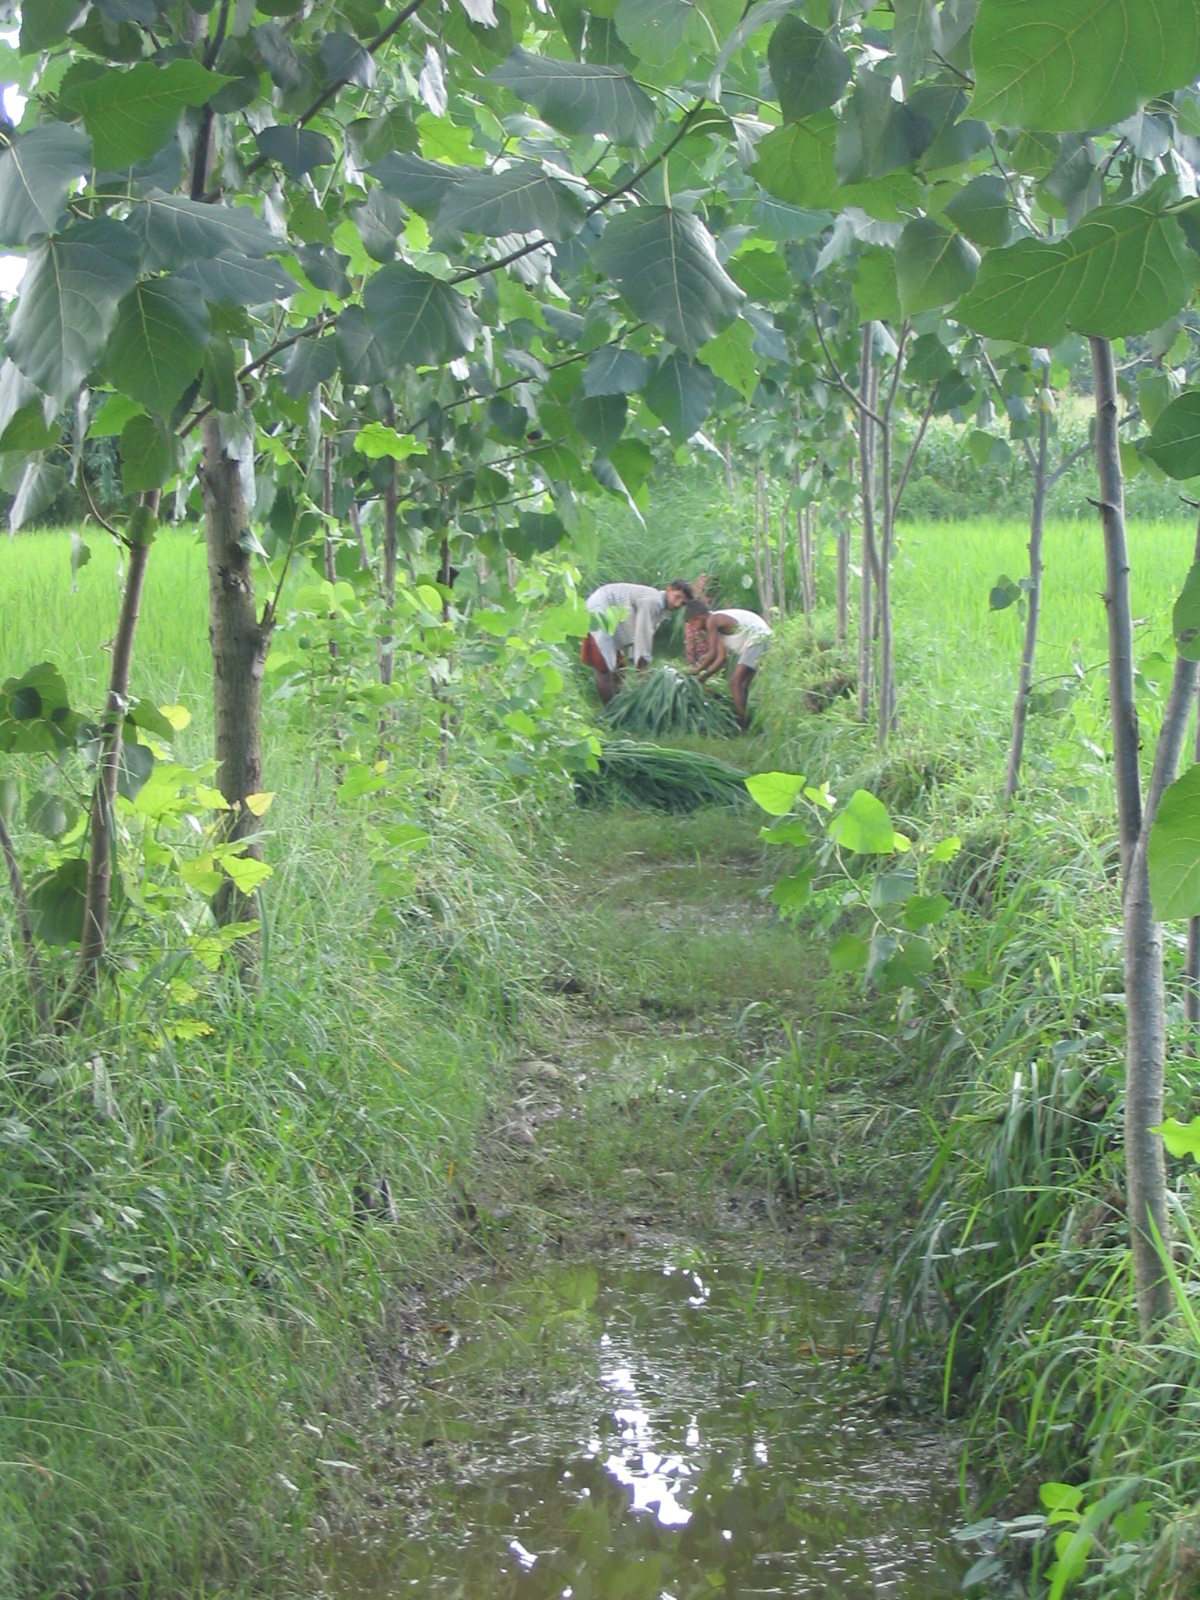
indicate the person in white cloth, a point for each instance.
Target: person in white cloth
{"x":644,"y":609}
{"x":730,"y":632}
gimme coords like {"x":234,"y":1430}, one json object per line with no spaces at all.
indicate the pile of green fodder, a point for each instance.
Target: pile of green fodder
{"x":667,"y":701}
{"x":661,"y":779}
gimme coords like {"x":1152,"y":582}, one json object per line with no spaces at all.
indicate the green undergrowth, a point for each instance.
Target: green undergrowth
{"x":208,"y":1201}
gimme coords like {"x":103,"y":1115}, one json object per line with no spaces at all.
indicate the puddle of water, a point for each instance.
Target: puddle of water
{"x":666,"y":1429}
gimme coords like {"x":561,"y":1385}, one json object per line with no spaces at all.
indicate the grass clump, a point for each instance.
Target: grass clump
{"x":660,"y":778}
{"x":664,"y":702}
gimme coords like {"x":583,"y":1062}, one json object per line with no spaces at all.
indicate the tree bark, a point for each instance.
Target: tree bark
{"x":728,"y":466}
{"x":1145,"y":1026}
{"x":1032,"y":616}
{"x":1191,"y":963}
{"x":102,"y":835}
{"x":239,"y":653}
{"x":781,"y":599}
{"x":866,"y":464}
{"x":364,"y":555}
{"x":387,"y":644}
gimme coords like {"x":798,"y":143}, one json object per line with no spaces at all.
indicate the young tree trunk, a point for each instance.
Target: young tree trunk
{"x":513,"y":572}
{"x":364,"y":555}
{"x":768,"y":568}
{"x":1145,"y":1029}
{"x":812,"y":545}
{"x":842,"y":624}
{"x":866,"y":464}
{"x":728,"y":466}
{"x":387,"y":644}
{"x":239,"y":653}
{"x":327,"y":508}
{"x":444,"y":574}
{"x":887,"y":660}
{"x":102,"y":836}
{"x":1191,"y":963}
{"x":783,"y":542}
{"x":759,"y":578}
{"x":1036,"y":522}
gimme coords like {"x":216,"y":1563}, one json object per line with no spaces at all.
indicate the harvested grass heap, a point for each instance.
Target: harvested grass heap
{"x":666,"y":701}
{"x":660,"y":779}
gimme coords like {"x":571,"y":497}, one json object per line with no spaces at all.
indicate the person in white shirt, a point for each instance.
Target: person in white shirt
{"x":644,"y":609}
{"x":742,"y":634}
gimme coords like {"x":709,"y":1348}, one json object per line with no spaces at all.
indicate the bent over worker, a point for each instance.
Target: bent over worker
{"x":730,"y":632}
{"x":644,"y":609}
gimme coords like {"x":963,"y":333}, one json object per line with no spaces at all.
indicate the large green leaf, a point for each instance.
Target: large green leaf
{"x":874,"y":286}
{"x":147,"y":455}
{"x":297,"y":150}
{"x":731,"y":356}
{"x":178,"y":231}
{"x":232,"y":280}
{"x":1124,"y":269}
{"x":1174,"y":442}
{"x":863,"y":826}
{"x":877,"y":134}
{"x":132,"y":114}
{"x":933,"y":266}
{"x":68,"y":304}
{"x":579,"y":98}
{"x":419,"y":320}
{"x":1079,"y":64}
{"x":600,"y":418}
{"x":41,"y":484}
{"x":1173,"y":854}
{"x":45,"y":22}
{"x":612,"y":370}
{"x":421,"y":184}
{"x":980,"y":211}
{"x":681,"y":394}
{"x":36,"y":173}
{"x":522,"y":199}
{"x":915,"y":37}
{"x":797,"y":164}
{"x":808,"y":69}
{"x":157,"y":346}
{"x":57,"y":902}
{"x":665,"y":264}
{"x":775,"y":792}
{"x":658,"y":30}
{"x":359,"y":348}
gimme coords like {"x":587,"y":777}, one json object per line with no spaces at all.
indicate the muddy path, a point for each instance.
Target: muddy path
{"x":645,"y":1376}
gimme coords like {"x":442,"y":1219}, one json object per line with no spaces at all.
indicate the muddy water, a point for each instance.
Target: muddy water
{"x":662,"y":1428}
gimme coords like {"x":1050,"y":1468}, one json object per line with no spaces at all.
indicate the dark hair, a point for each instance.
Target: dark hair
{"x":684,"y":588}
{"x":696,"y":608}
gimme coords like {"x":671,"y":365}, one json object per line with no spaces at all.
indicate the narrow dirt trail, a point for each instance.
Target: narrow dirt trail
{"x":645,"y":1384}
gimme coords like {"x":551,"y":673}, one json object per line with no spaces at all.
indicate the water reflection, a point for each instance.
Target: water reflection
{"x":692,"y":1440}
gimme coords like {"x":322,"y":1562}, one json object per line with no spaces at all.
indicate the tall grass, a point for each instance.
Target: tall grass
{"x":205,"y":1201}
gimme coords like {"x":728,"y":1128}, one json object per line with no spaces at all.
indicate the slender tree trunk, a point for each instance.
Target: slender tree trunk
{"x":1191,"y":964}
{"x":866,"y":463}
{"x":1145,"y":1029}
{"x":783,"y":543}
{"x":33,"y":964}
{"x":1036,"y":523}
{"x":327,"y":508}
{"x":387,"y":644}
{"x":444,"y":573}
{"x":364,"y":555}
{"x":812,"y":544}
{"x":842,"y":624}
{"x":102,"y":840}
{"x":728,"y":466}
{"x":239,"y":653}
{"x":768,"y":568}
{"x":759,"y":578}
{"x":887,"y":659}
{"x":513,"y":572}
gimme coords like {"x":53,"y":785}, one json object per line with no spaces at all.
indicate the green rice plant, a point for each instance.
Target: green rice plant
{"x":665,"y":701}
{"x":661,"y":779}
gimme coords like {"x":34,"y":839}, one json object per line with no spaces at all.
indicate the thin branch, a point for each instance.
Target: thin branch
{"x":218,"y":38}
{"x":597,"y":205}
{"x":905,"y":329}
{"x":912,"y":456}
{"x":995,"y":377}
{"x":335,"y":88}
{"x":858,"y":401}
{"x":280,"y":345}
{"x":33,"y":965}
{"x":103,"y":521}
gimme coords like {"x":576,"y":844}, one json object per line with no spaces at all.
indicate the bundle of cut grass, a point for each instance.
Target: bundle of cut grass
{"x":667,"y":701}
{"x":660,"y":779}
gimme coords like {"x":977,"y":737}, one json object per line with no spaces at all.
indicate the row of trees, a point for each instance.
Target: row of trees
{"x":436,"y":271}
